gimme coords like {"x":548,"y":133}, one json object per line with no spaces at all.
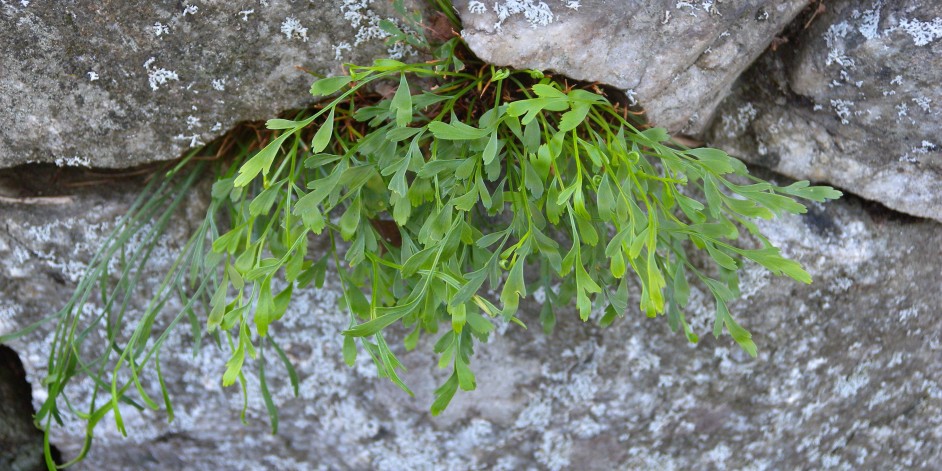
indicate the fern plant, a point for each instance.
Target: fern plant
{"x":430,"y":197}
{"x":440,"y":193}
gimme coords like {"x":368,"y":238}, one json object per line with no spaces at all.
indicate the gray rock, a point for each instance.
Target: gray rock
{"x":848,"y":373}
{"x":117,"y":84}
{"x":677,"y":59}
{"x":21,"y":443}
{"x":855,"y":100}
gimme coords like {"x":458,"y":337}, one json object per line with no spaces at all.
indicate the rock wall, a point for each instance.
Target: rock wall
{"x":848,"y":373}
{"x":676,"y":59}
{"x":854,"y":99}
{"x":20,"y":442}
{"x":849,"y":95}
{"x":116,"y":83}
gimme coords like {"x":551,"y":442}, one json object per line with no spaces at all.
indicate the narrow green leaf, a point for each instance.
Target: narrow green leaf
{"x":467,"y":201}
{"x":567,"y":193}
{"x":329,"y":85}
{"x":770,"y":258}
{"x":282,"y":124}
{"x":547,"y":318}
{"x":234,"y":366}
{"x":573,"y":117}
{"x":465,"y":377}
{"x":533,"y":180}
{"x":618,"y":266}
{"x":402,"y":103}
{"x":218,"y":304}
{"x":655,"y":135}
{"x":388,"y":317}
{"x":739,"y":334}
{"x":349,"y":350}
{"x":324,"y":133}
{"x":412,"y":340}
{"x":479,"y":323}
{"x":777,"y":203}
{"x":260,"y":163}
{"x":398,"y":183}
{"x":350,"y":220}
{"x":490,"y":151}
{"x":474,"y":283}
{"x":488,"y":240}
{"x":610,"y":315}
{"x":721,"y":258}
{"x":548,"y":91}
{"x":320,"y":190}
{"x":292,"y":373}
{"x":584,"y":286}
{"x":553,"y":208}
{"x":401,"y":134}
{"x":459,"y":316}
{"x":814,"y":193}
{"x":514,"y":288}
{"x":605,"y":198}
{"x":435,"y":167}
{"x":222,"y":188}
{"x":681,"y":287}
{"x":456,"y":131}
{"x":264,"y":309}
{"x":266,"y":397}
{"x":531,"y":137}
{"x":262,"y":203}
{"x":444,"y":394}
{"x":715,"y":160}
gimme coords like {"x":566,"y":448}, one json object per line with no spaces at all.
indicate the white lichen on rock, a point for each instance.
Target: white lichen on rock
{"x":476,"y":7}
{"x":339,"y":48}
{"x":736,"y":125}
{"x":365,"y":22}
{"x":157,"y":77}
{"x":922,"y":32}
{"x":536,"y":13}
{"x":842,"y":109}
{"x":74,"y":161}
{"x":923,"y":103}
{"x":292,"y":29}
{"x":190,"y":9}
{"x":869,"y":20}
{"x":192,"y":122}
{"x":837,"y":53}
{"x":160,"y":29}
{"x":194,"y":139}
{"x":362,"y":19}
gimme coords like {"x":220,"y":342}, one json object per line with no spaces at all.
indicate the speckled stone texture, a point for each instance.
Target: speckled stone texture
{"x":847,"y":376}
{"x":678,"y":59}
{"x":854,"y":100}
{"x":116,"y":83}
{"x":20,"y":442}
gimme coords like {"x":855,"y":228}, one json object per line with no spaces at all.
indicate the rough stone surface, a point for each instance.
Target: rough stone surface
{"x":116,"y":83}
{"x":677,"y":59}
{"x":20,"y":441}
{"x":854,"y":100}
{"x":848,"y":374}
